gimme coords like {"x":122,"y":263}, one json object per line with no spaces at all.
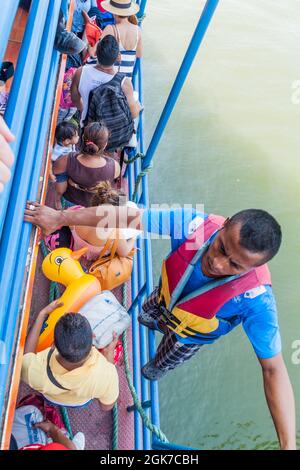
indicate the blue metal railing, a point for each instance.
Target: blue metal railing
{"x":145,"y":341}
{"x":142,"y":5}
{"x":22,"y":85}
{"x":32,"y":96}
{"x":8,"y":13}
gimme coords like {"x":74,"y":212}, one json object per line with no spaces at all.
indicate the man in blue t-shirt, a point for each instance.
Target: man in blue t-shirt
{"x":255,"y":309}
{"x":247,"y":240}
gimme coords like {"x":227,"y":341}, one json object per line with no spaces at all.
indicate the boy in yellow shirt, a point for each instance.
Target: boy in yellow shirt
{"x":73,"y":371}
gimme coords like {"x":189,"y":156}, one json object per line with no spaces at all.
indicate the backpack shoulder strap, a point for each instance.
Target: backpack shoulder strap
{"x":117,"y":79}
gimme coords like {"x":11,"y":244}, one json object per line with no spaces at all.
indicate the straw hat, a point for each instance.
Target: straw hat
{"x":120,"y":7}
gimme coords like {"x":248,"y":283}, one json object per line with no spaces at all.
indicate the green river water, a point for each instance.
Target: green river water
{"x":232,"y":143}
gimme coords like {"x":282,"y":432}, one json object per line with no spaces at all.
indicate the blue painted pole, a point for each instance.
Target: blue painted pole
{"x":138,"y":445}
{"x":8,"y":13}
{"x":190,"y":55}
{"x":11,"y":324}
{"x":148,"y":260}
{"x":142,"y":4}
{"x":19,"y":97}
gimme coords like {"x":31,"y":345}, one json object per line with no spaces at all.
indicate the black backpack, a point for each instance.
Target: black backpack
{"x":108,"y":105}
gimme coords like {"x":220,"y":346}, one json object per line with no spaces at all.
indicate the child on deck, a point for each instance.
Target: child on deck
{"x":66,"y":139}
{"x":72,"y":372}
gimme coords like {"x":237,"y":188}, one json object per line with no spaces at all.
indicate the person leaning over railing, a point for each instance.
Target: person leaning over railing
{"x":215,"y":278}
{"x":6,"y":153}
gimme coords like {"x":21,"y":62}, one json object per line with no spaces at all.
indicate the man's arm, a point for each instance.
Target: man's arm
{"x":104,"y":216}
{"x":33,"y":336}
{"x":280,"y":399}
{"x":76,"y":97}
{"x":134,"y":106}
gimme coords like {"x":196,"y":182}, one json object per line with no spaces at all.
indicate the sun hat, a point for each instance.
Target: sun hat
{"x":120,"y":7}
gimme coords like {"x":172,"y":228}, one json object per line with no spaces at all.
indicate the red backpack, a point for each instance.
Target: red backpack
{"x":49,"y":412}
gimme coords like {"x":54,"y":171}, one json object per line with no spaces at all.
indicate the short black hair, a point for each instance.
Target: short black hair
{"x":259,"y":233}
{"x":65,"y":130}
{"x":73,"y":337}
{"x":107,"y":50}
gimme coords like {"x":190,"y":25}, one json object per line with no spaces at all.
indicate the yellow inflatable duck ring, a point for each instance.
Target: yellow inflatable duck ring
{"x":62,"y":265}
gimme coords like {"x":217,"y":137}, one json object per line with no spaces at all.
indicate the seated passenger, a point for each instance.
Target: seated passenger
{"x":89,"y":77}
{"x":78,"y":174}
{"x":96,"y":239}
{"x":33,"y":428}
{"x":127,"y":33}
{"x":72,"y":372}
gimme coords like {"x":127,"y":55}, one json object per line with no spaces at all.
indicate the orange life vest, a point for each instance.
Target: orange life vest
{"x":196,"y":313}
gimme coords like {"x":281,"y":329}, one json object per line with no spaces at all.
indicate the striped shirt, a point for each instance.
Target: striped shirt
{"x":128,"y":57}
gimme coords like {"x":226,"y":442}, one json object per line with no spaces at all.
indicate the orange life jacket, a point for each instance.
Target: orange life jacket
{"x":196,"y":313}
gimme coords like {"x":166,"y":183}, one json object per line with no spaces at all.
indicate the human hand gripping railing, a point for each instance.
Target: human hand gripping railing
{"x":8,"y":13}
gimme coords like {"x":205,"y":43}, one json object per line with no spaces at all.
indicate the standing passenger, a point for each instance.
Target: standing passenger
{"x":89,"y":77}
{"x":126,"y":31}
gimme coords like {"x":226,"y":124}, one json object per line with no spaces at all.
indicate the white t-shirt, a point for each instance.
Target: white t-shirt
{"x":90,"y":79}
{"x":60,"y":150}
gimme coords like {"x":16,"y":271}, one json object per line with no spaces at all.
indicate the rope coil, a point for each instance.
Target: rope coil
{"x":138,"y":182}
{"x":138,"y":155}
